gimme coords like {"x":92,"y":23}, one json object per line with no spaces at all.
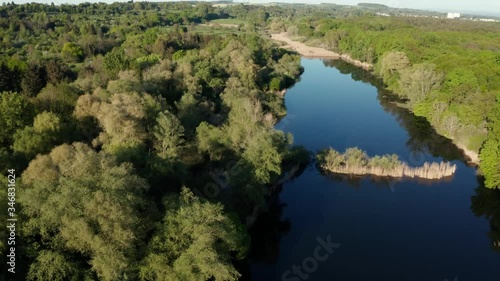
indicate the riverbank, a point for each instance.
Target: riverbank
{"x":472,"y":155}
{"x":316,"y":52}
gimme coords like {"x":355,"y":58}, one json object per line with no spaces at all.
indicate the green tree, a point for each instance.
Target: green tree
{"x":168,"y":133}
{"x":34,"y":79}
{"x":72,"y":52}
{"x":276,"y":84}
{"x":391,"y":64}
{"x":490,"y":163}
{"x":123,"y":119}
{"x":194,"y":242}
{"x":459,"y":83}
{"x":355,"y":157}
{"x":81,"y":205}
{"x":418,"y":81}
{"x":56,"y":71}
{"x":50,"y":265}
{"x":264,"y":155}
{"x":490,"y":153}
{"x":60,"y":99}
{"x":39,"y":138}
{"x":10,"y":78}
{"x":115,"y":61}
{"x":330,"y":159}
{"x":191,"y":112}
{"x":211,"y":140}
{"x":15,"y":113}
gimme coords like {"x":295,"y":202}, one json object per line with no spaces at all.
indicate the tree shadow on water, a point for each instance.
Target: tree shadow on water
{"x":486,"y":203}
{"x":423,"y":138}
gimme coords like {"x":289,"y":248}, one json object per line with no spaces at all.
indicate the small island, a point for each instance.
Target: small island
{"x":355,"y":161}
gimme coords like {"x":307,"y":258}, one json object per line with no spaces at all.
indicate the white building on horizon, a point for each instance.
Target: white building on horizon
{"x":453,"y":15}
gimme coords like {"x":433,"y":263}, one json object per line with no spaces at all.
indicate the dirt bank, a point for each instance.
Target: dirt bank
{"x":472,"y":155}
{"x":315,"y":52}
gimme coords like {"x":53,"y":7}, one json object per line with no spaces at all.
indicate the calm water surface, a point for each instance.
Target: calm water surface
{"x":386,"y":230}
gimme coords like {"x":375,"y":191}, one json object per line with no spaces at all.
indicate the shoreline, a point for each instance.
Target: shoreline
{"x":316,"y":52}
{"x":471,"y":157}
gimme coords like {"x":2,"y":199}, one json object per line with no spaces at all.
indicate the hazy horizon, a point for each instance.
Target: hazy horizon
{"x":486,"y":7}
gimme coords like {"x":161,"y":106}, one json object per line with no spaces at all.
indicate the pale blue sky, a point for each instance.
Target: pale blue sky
{"x":491,"y":6}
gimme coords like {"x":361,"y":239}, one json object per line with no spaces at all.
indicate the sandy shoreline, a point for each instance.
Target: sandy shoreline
{"x":315,"y":52}
{"x":303,"y":49}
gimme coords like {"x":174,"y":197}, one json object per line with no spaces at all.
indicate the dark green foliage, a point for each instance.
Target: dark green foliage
{"x":10,"y":78}
{"x":490,"y":163}
{"x":194,"y":242}
{"x":276,"y":84}
{"x":86,"y":204}
{"x":141,"y":92}
{"x":34,"y":79}
{"x":72,"y":52}
{"x":15,"y":113}
{"x":60,"y":99}
{"x":56,"y":71}
{"x":46,"y":132}
{"x":115,"y":61}
{"x":490,"y":153}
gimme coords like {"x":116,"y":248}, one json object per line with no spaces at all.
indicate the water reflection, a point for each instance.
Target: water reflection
{"x":382,"y":182}
{"x":423,"y":139}
{"x":267,"y":232}
{"x":376,"y":224}
{"x":486,"y":203}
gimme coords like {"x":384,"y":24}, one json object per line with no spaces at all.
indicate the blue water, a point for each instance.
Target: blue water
{"x":387,"y":231}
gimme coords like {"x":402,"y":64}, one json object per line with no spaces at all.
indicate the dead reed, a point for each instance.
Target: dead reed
{"x":355,"y":162}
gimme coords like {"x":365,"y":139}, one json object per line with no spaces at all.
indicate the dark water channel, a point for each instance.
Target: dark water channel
{"x":323,"y":228}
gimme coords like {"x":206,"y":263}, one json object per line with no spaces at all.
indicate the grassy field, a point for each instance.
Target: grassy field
{"x":227,"y":21}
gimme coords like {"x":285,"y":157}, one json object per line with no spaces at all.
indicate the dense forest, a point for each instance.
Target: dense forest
{"x":120,"y":122}
{"x":143,"y":139}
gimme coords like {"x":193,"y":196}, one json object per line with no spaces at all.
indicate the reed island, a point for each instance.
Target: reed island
{"x":355,"y":161}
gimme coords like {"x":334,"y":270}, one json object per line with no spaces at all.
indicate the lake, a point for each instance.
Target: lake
{"x":324,"y":227}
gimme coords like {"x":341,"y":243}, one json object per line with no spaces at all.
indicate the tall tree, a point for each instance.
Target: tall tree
{"x":194,"y":242}
{"x":41,"y":137}
{"x":56,"y":71}
{"x":124,"y":119}
{"x":418,"y":81}
{"x":34,"y":79}
{"x":82,"y":206}
{"x":15,"y":113}
{"x":390,"y":65}
{"x":168,"y":133}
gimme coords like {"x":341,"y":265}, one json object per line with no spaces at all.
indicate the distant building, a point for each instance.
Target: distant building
{"x":453,"y":15}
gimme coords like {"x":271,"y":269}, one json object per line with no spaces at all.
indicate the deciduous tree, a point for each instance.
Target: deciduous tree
{"x":83,"y":205}
{"x":194,"y":242}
